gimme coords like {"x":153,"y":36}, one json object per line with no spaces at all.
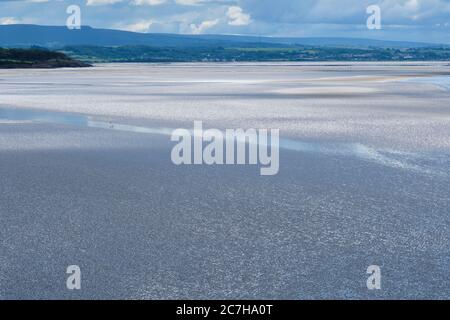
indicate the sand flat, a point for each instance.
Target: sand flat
{"x":364,"y":179}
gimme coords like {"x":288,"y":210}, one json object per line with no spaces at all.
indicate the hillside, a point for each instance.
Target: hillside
{"x":56,"y":37}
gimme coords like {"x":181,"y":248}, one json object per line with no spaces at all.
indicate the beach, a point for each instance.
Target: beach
{"x":87,"y":179}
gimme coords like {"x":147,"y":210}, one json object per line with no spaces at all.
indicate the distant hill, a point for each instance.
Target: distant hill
{"x":21,"y":35}
{"x":104,"y":45}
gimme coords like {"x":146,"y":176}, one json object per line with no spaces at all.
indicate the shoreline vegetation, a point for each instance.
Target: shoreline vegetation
{"x":253,"y":53}
{"x":37,"y":58}
{"x":84,"y":56}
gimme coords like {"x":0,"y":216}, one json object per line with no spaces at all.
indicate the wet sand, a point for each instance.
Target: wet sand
{"x":364,"y":179}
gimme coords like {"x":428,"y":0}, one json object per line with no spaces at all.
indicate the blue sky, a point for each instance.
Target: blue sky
{"x":414,"y":20}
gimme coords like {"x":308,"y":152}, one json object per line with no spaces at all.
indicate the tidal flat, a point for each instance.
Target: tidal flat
{"x":364,"y":179}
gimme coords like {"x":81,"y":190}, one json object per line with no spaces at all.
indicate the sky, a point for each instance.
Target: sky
{"x":411,"y":20}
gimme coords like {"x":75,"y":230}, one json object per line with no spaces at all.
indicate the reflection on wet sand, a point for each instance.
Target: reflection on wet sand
{"x":388,"y":158}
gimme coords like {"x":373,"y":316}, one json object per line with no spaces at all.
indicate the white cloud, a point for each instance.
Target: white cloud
{"x":9,"y":20}
{"x":101,"y":2}
{"x":198,"y":29}
{"x":140,"y":26}
{"x":238,"y":17}
{"x":415,"y":10}
{"x":148,"y":2}
{"x":189,"y":2}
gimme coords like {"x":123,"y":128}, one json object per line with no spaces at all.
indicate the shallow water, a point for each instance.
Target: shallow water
{"x":441,"y":81}
{"x":359,"y":103}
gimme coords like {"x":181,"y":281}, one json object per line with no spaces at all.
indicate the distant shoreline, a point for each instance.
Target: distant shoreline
{"x":57,"y":65}
{"x":37,"y":59}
